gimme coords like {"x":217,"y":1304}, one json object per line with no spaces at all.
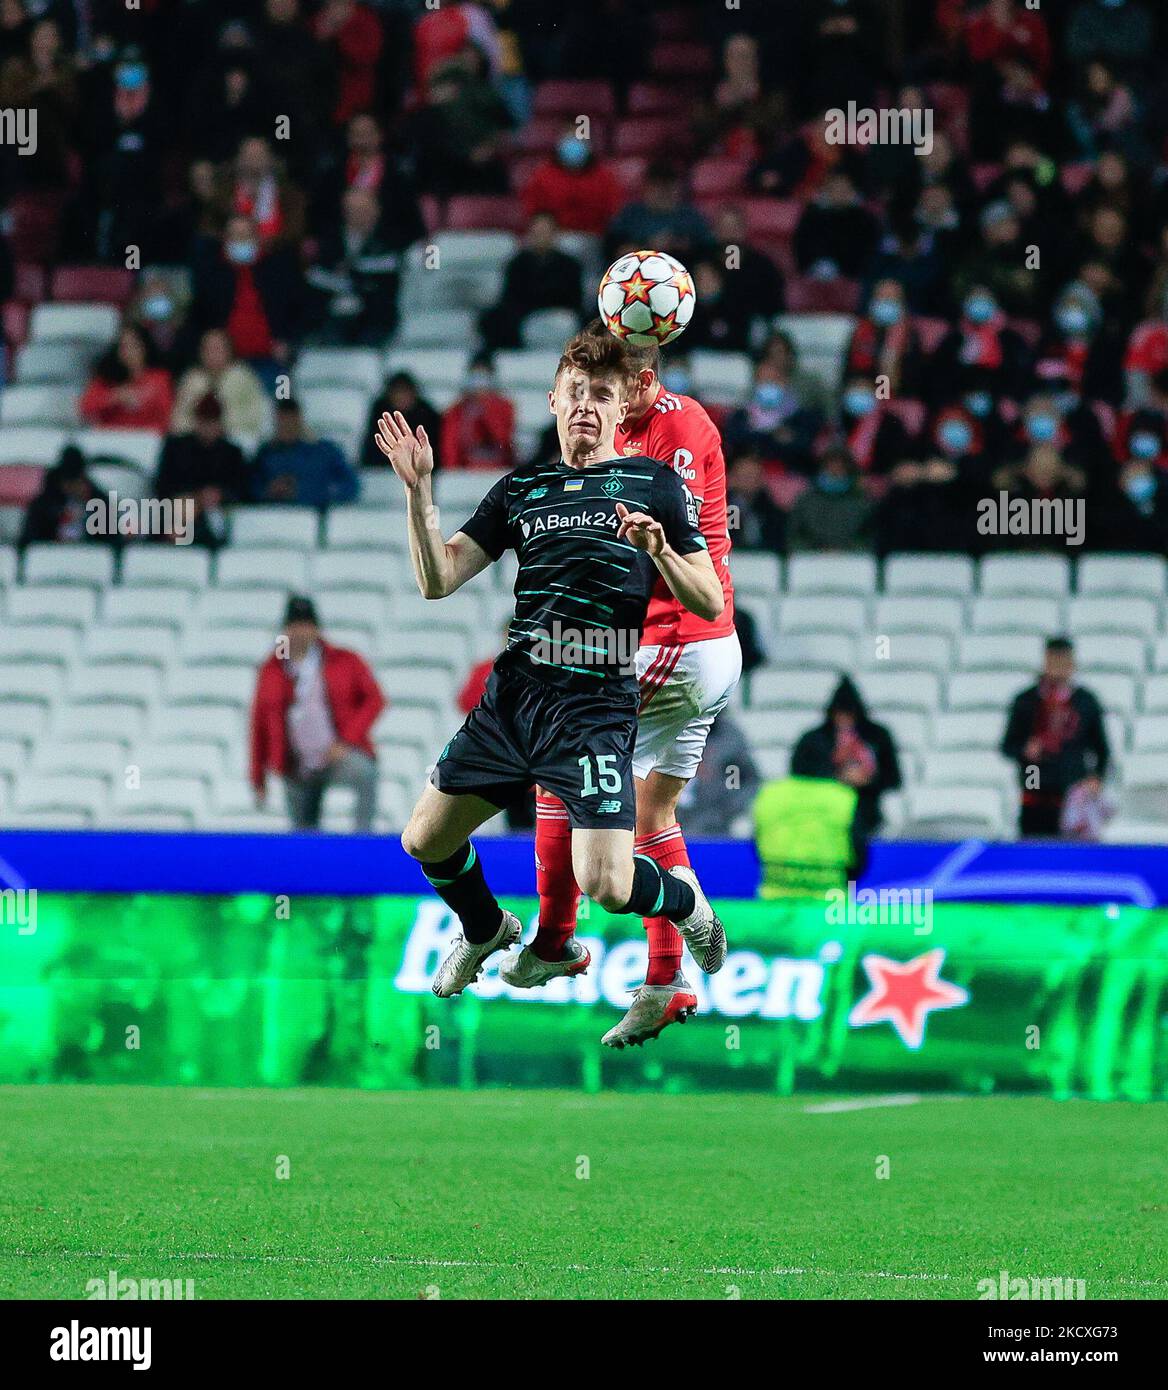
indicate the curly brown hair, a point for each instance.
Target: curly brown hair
{"x":639,"y":357}
{"x":599,"y":354}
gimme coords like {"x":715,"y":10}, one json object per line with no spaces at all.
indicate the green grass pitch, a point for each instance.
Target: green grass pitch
{"x":481,"y":1194}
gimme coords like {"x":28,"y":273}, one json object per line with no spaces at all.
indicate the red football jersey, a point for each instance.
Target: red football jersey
{"x":677,"y":431}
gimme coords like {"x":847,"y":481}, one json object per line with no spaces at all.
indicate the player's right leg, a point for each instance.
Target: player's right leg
{"x":438,"y":837}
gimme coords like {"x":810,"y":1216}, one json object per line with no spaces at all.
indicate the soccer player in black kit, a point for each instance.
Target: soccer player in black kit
{"x":592,"y":532}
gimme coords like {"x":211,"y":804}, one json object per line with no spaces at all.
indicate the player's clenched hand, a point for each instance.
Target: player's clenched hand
{"x":410,"y":454}
{"x":639,"y":529}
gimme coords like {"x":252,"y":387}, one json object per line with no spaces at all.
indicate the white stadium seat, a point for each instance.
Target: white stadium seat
{"x":99,"y":719}
{"x":755,"y":572}
{"x":1001,"y":651}
{"x":548,"y":329}
{"x":39,"y":642}
{"x":367,"y":571}
{"x":148,"y":605}
{"x":822,"y":612}
{"x":931,"y":651}
{"x":132,"y":682}
{"x":107,"y":758}
{"x":1155,"y":696}
{"x":1133,"y":614}
{"x":53,"y":792}
{"x":1046,"y":575}
{"x":912,"y":613}
{"x":289,"y":528}
{"x":929,"y":574}
{"x":252,"y":607}
{"x":830,"y":574}
{"x":29,"y":444}
{"x":151,"y":646}
{"x":526,"y":369}
{"x":984,"y":690}
{"x":1114,"y":691}
{"x":31,"y":680}
{"x":72,"y":605}
{"x":82,"y":563}
{"x":139,"y":447}
{"x":227,"y":646}
{"x":22,"y":718}
{"x":93,"y":323}
{"x":355,"y":367}
{"x":1112,"y":651}
{"x":969,"y":728}
{"x":953,"y":813}
{"x":1123,"y":574}
{"x":256,"y":567}
{"x":907,"y":689}
{"x":909,"y":727}
{"x":66,"y":362}
{"x":1040,"y":615}
{"x":784,"y":689}
{"x":1151,"y":734}
{"x":167,"y":566}
{"x":720,"y":378}
{"x":46,"y":404}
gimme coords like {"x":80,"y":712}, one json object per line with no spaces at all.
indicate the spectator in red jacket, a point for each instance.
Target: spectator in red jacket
{"x":581,"y":193}
{"x":354,"y":32}
{"x":1005,"y":30}
{"x":478,"y":430}
{"x":315,"y":705}
{"x":128,"y":391}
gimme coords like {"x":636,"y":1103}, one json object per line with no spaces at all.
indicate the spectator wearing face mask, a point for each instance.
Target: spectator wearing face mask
{"x":580,"y":191}
{"x":1080,"y":348}
{"x":833,"y":514}
{"x":885,"y":342}
{"x":980,"y":347}
{"x":257,"y":296}
{"x":478,"y":430}
{"x":1056,"y":416}
{"x":998,"y":265}
{"x":1134,"y":512}
{"x":158,"y":309}
{"x":1056,"y":735}
{"x":774,"y":423}
{"x":876,"y":437}
{"x":931,"y":501}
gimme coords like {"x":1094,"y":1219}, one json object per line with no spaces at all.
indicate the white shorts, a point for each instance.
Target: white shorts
{"x":683,"y":690}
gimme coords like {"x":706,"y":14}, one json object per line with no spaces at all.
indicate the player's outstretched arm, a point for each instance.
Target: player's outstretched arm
{"x":692,"y":578}
{"x":440,"y":566}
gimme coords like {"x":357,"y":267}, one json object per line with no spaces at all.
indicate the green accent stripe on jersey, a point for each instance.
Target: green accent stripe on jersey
{"x":559,"y":666}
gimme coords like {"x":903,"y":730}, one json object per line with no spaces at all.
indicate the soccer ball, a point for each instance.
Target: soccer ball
{"x":646,"y":298}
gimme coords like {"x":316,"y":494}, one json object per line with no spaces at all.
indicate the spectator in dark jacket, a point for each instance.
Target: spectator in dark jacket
{"x":538,"y":276}
{"x":756,"y":520}
{"x":850,"y":746}
{"x":400,"y":392}
{"x":836,"y":234}
{"x":314,"y":709}
{"x":57,"y":512}
{"x":303,"y":472}
{"x":1056,"y":735}
{"x":203,"y":463}
{"x":355,"y":277}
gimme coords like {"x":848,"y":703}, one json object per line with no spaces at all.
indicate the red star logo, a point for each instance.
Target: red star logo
{"x":683,"y":283}
{"x":663,"y":326}
{"x":904,"y":994}
{"x":637,"y":288}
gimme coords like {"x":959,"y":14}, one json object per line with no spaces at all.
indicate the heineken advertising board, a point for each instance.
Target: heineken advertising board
{"x":861,"y":991}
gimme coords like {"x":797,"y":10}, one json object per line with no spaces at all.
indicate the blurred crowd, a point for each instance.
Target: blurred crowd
{"x":270,"y":162}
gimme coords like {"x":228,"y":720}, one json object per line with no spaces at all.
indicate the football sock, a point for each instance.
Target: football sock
{"x":657,"y":893}
{"x":559,"y":896}
{"x":667,"y":850}
{"x":459,"y":882}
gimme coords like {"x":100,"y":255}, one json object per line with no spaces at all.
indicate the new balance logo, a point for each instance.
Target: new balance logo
{"x":609,"y":808}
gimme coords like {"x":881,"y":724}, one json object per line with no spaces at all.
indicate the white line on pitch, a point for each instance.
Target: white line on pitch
{"x":838,"y":1107}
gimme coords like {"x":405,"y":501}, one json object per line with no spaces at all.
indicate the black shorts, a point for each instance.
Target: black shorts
{"x":576,"y":744}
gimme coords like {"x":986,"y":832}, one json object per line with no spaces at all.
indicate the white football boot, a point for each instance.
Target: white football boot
{"x":702,"y":931}
{"x":654,"y":1007}
{"x":525,"y":970}
{"x":464,"y":964}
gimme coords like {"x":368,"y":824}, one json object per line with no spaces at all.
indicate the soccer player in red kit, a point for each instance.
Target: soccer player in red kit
{"x":687,"y":668}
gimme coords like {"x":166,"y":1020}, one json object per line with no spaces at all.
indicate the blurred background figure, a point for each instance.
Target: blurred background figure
{"x":313,"y":712}
{"x":1056,"y":735}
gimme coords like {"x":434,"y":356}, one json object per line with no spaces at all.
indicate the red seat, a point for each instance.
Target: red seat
{"x":630,"y":171}
{"x":1076,"y":177}
{"x":570,"y":99}
{"x":717,"y":178}
{"x":931,"y":332}
{"x":15,"y":320}
{"x":28,"y":282}
{"x":644,"y":136}
{"x":680,"y":59}
{"x":79,"y":284}
{"x":808,"y":296}
{"x":772,"y":217}
{"x":780,"y":251}
{"x":521,"y":169}
{"x":36,"y":226}
{"x":655,"y":99}
{"x":474,"y":212}
{"x":910,"y":413}
{"x":431,"y":208}
{"x":539,"y":135}
{"x":19,"y":483}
